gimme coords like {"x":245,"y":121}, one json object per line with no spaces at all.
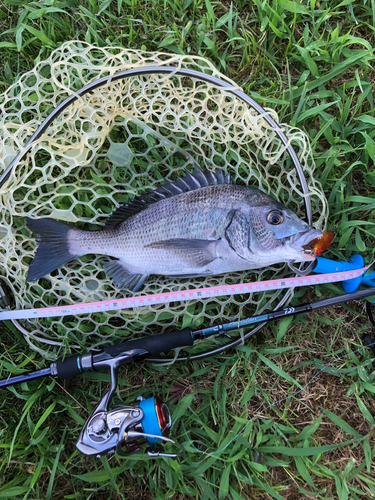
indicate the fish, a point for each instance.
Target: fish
{"x":200,"y":225}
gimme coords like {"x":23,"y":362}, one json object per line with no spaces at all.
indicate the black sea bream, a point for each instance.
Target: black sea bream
{"x":198,"y":226}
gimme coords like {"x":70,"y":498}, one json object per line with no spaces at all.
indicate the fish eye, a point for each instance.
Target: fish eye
{"x":275,"y":217}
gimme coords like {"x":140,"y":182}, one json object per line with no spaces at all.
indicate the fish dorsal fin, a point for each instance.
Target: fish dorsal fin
{"x":198,"y":179}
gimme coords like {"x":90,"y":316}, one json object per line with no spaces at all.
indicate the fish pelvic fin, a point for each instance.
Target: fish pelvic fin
{"x":196,"y":253}
{"x":53,"y":250}
{"x":123,"y":279}
{"x":189,"y":182}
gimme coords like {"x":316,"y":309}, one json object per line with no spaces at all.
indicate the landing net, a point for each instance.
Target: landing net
{"x":116,"y":142}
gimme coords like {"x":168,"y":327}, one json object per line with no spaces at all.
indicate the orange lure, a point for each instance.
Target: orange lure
{"x":320,"y":244}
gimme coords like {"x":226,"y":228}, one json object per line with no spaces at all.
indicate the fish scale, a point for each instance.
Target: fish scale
{"x":202,"y":216}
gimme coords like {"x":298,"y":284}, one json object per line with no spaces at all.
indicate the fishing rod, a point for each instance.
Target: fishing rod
{"x":114,"y":356}
{"x":125,"y":429}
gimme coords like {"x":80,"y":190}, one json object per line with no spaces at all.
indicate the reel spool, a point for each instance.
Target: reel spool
{"x":127,"y":430}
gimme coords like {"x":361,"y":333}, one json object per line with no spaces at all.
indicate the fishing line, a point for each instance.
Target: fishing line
{"x":273,"y":404}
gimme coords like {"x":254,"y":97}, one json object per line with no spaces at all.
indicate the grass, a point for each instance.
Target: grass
{"x":314,"y":63}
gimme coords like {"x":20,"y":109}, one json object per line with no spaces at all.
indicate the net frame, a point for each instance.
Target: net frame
{"x":9,"y":174}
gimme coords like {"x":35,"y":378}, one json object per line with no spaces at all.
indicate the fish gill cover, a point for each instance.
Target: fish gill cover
{"x":116,"y":142}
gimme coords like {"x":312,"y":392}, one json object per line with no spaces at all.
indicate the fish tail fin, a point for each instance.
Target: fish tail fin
{"x":53,"y":250}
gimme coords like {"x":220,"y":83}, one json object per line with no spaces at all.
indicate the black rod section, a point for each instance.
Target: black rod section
{"x":126,"y":352}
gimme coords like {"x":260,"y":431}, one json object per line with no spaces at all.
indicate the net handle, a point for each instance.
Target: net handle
{"x":155,"y":70}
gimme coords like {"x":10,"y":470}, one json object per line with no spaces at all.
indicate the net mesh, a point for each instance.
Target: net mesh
{"x":111,"y":144}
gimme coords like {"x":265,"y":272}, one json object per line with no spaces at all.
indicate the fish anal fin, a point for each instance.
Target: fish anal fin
{"x":123,"y":279}
{"x":197,"y":253}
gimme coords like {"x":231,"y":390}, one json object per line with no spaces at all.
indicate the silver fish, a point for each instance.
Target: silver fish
{"x":198,"y":226}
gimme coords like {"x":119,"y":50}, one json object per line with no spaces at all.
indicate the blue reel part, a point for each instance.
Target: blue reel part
{"x":153,"y":414}
{"x":325,"y":266}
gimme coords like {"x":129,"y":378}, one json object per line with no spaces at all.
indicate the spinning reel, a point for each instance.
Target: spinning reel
{"x":124,"y":429}
{"x":127,"y":429}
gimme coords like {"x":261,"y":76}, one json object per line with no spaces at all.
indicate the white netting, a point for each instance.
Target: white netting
{"x":111,"y":144}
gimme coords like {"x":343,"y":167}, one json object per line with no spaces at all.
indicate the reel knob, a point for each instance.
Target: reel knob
{"x":99,"y":426}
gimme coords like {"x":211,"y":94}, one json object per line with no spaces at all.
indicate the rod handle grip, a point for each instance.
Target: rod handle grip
{"x":155,"y":344}
{"x":72,"y":366}
{"x":67,"y":367}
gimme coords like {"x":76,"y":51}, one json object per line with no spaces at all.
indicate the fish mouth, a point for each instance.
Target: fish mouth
{"x":303,"y":243}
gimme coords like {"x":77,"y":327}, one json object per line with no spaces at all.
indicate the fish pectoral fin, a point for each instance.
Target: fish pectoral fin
{"x":123,"y":279}
{"x":197,"y":253}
